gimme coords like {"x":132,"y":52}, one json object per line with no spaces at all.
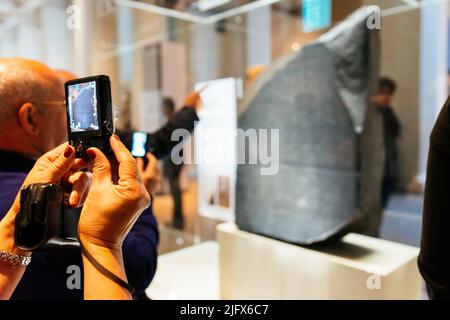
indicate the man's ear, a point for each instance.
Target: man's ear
{"x":29,"y":118}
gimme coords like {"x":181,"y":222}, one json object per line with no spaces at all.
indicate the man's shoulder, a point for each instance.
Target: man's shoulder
{"x":10,"y":183}
{"x":15,"y":163}
{"x":11,"y":179}
{"x":13,"y":171}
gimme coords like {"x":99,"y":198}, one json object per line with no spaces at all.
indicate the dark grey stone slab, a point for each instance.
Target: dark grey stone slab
{"x":331,"y":150}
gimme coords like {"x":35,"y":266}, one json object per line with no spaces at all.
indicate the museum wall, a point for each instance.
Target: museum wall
{"x":149,"y":30}
{"x":233,"y":38}
{"x":287,"y":32}
{"x":340,"y":11}
{"x":104,"y":57}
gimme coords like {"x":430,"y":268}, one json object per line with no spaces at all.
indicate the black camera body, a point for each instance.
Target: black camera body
{"x":90,"y":120}
{"x":45,"y":221}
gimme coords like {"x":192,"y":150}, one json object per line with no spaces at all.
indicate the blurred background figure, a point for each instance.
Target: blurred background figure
{"x":392,"y":131}
{"x":172,"y":171}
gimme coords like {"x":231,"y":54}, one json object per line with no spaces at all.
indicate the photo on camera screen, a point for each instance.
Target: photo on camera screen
{"x":83,"y":107}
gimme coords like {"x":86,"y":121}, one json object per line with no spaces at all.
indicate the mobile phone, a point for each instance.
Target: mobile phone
{"x":139,"y":144}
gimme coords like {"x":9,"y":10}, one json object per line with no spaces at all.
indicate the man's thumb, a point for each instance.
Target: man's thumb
{"x":101,"y":168}
{"x":63,"y":162}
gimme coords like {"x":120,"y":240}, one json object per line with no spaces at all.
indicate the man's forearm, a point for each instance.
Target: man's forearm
{"x":96,"y":285}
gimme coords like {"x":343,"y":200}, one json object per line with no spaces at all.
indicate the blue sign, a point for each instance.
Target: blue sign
{"x":316,"y":15}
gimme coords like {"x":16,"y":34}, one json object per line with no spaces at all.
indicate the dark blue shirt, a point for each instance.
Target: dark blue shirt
{"x":47,"y":275}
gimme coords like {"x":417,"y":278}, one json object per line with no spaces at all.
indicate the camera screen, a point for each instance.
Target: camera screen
{"x":139,"y":143}
{"x":83,"y":107}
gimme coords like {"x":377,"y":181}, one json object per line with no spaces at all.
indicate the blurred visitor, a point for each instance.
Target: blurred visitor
{"x":173,"y":171}
{"x":392,"y":130}
{"x":161,"y":144}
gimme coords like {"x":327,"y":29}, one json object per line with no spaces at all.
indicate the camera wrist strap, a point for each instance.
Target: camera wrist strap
{"x":105,"y":271}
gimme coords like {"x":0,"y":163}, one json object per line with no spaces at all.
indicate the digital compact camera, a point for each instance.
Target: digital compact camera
{"x":90,"y":120}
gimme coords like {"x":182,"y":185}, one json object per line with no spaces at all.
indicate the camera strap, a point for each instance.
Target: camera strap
{"x":105,"y":271}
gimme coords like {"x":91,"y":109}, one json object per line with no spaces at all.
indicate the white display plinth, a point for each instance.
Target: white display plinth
{"x":359,"y":267}
{"x":188,"y":274}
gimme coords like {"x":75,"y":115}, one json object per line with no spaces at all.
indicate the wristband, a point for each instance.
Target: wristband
{"x":13,"y":259}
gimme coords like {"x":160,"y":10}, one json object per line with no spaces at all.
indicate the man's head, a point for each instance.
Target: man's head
{"x":168,"y":107}
{"x":386,"y":91}
{"x":32,"y":111}
{"x":65,"y":76}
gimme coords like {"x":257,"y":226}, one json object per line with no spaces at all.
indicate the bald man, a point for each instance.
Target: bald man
{"x":32,"y":122}
{"x":32,"y":110}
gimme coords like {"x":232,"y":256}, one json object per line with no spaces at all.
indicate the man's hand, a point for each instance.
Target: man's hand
{"x":60,"y":166}
{"x":56,"y":166}
{"x":193,"y":100}
{"x":116,"y":199}
{"x":150,"y":174}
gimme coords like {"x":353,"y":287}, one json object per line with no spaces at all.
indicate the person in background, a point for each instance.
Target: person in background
{"x":172,"y":171}
{"x":392,"y":131}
